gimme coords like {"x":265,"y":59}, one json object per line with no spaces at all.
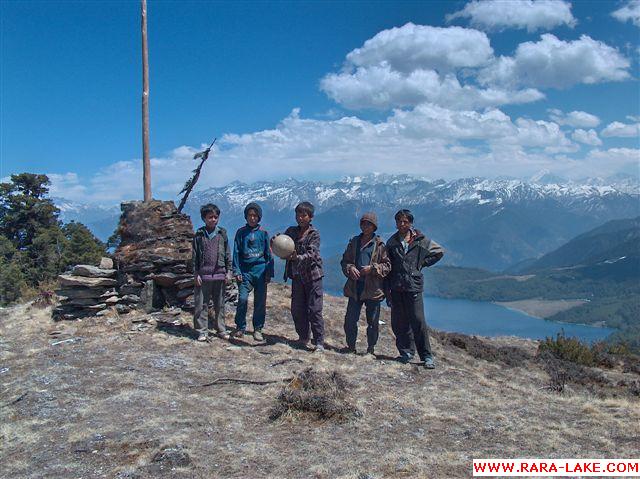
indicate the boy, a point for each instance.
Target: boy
{"x":365,"y":263}
{"x":212,"y":270}
{"x":253,"y":269}
{"x":304,"y":267}
{"x":410,"y":251}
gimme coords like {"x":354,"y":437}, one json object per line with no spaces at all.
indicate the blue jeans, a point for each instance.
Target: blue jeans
{"x":252,"y":280}
{"x":351,"y":318}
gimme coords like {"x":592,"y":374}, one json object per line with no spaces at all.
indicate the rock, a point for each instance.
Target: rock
{"x":92,"y":271}
{"x":184,"y":294}
{"x":85,"y":292}
{"x":185,"y":283}
{"x":97,"y":307}
{"x":112,"y":300}
{"x":172,"y":457}
{"x":122,"y":308}
{"x":128,"y":289}
{"x":165,"y":279}
{"x":82,"y":302}
{"x":104,"y":312}
{"x":106,"y":263}
{"x":146,"y":296}
{"x":180,"y":268}
{"x":130,"y":298}
{"x":69,"y":280}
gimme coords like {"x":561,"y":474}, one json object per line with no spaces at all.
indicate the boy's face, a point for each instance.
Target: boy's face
{"x":252,"y":218}
{"x":211,"y":221}
{"x":367,"y":228}
{"x":303,"y":219}
{"x":403,"y":225}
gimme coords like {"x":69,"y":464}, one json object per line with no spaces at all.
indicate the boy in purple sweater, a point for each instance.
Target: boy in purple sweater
{"x":212,"y":269}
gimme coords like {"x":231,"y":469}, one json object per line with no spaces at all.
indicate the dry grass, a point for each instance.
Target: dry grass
{"x":119,"y":404}
{"x":322,"y":394}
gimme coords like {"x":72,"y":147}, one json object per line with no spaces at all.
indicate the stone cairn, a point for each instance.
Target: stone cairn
{"x":154,"y":255}
{"x":88,"y":291}
{"x":152,"y":267}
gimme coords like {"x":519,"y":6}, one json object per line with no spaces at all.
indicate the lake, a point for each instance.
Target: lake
{"x":488,"y":319}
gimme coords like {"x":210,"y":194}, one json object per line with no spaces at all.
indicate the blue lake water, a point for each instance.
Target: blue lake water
{"x":488,"y":319}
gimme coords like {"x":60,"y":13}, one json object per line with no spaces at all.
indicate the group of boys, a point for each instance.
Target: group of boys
{"x":375,"y":271}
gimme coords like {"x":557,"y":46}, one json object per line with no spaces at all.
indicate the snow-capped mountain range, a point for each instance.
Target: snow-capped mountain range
{"x":489,"y":223}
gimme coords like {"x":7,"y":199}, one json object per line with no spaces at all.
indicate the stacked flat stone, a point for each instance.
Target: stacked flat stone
{"x":87,"y":291}
{"x":154,"y":255}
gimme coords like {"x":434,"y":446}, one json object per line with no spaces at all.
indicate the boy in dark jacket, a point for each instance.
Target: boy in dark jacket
{"x":253,"y":269}
{"x":410,"y":251}
{"x":304,"y":267}
{"x":365,"y":263}
{"x":211,"y":270}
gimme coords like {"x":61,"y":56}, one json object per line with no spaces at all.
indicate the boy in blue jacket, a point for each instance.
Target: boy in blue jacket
{"x":253,"y":269}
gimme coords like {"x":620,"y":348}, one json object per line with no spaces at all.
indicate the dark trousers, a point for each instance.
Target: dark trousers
{"x":409,"y":325}
{"x":351,"y":318}
{"x":306,"y":309}
{"x":203,"y":320}
{"x":252,"y":280}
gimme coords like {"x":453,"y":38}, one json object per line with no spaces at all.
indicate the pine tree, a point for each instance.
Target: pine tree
{"x":34,"y":247}
{"x":11,"y":278}
{"x":81,"y":246}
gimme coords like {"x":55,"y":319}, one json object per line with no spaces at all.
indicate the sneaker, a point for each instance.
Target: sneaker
{"x":350,"y":350}
{"x":319,"y":348}
{"x":404,"y":359}
{"x":257,"y":335}
{"x":223,"y":335}
{"x":370,"y":351}
{"x":202,"y":337}
{"x":238,"y":333}
{"x":429,"y":363}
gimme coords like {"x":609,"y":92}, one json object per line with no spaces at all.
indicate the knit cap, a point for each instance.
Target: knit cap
{"x":371,"y":217}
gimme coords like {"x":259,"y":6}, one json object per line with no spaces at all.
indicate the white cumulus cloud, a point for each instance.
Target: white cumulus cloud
{"x":589,"y":137}
{"x":413,"y":64}
{"x":412,"y":47}
{"x":623,"y":130}
{"x":554,"y":63}
{"x":629,"y":11}
{"x":381,"y":87}
{"x":576,"y":119}
{"x":531,"y":15}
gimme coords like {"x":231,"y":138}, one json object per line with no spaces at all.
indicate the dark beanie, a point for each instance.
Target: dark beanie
{"x":371,"y":217}
{"x":255,"y":207}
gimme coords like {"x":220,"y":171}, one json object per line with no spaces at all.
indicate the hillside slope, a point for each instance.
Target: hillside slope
{"x":609,"y":243}
{"x":121,"y":397}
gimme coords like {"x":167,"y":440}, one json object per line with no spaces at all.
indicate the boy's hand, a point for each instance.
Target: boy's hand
{"x":366,"y":270}
{"x":198,"y":280}
{"x":355,"y":274}
{"x":239,"y":278}
{"x":294,"y":256}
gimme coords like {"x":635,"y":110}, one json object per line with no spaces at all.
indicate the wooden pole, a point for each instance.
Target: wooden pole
{"x":146,"y":165}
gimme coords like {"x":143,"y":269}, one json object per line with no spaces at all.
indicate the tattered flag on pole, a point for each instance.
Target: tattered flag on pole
{"x":191,"y":182}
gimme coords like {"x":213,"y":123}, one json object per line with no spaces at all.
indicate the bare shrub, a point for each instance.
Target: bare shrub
{"x":509,"y":355}
{"x":322,"y":394}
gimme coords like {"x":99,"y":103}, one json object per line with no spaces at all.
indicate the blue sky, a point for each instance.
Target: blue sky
{"x":318,"y":90}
